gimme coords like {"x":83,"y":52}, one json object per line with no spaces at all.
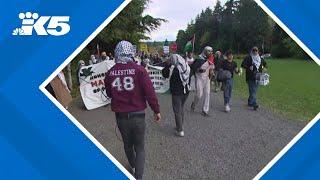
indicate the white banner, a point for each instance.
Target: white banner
{"x":92,"y":87}
{"x":166,"y":49}
{"x":160,"y":84}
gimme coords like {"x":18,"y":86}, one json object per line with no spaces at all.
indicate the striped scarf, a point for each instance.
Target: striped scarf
{"x":183,"y":68}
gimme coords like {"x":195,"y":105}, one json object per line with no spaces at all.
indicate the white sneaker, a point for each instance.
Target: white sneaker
{"x":180,"y":133}
{"x":227,"y":108}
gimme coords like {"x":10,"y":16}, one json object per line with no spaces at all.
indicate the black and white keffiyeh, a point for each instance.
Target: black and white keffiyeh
{"x":256,"y":60}
{"x":124,"y":52}
{"x":183,"y":68}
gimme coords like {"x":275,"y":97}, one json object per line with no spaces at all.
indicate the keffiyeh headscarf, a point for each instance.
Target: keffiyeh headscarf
{"x":124,"y":52}
{"x":256,"y":60}
{"x":183,"y":68}
{"x":206,"y":52}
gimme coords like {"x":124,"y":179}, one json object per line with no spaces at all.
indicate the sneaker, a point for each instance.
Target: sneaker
{"x":193,"y":107}
{"x":180,"y":133}
{"x":205,"y":114}
{"x":227,"y":108}
{"x":256,"y":107}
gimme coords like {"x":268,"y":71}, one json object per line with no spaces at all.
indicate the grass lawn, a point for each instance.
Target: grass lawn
{"x":294,"y":89}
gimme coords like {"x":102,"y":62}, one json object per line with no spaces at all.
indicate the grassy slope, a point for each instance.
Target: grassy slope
{"x":294,"y":89}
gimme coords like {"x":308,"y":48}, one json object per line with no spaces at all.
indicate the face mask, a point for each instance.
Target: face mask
{"x":104,"y":57}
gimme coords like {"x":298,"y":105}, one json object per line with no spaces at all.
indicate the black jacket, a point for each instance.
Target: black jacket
{"x":250,"y":74}
{"x":196,"y":65}
{"x":218,"y":61}
{"x":176,"y":87}
{"x":229,"y":66}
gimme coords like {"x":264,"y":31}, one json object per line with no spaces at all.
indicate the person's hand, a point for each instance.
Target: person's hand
{"x":237,"y":70}
{"x":211,"y":73}
{"x":251,"y":68}
{"x":264,"y":69}
{"x":157,"y":117}
{"x":240,"y":72}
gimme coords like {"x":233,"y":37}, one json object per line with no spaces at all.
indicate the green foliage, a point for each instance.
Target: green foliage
{"x":181,"y":40}
{"x":278,"y":47}
{"x":294,"y":48}
{"x":238,"y":25}
{"x":293,"y":90}
{"x":83,"y":55}
{"x":130,"y":24}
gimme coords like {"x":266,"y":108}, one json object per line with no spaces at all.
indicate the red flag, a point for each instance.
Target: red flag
{"x":173,"y":47}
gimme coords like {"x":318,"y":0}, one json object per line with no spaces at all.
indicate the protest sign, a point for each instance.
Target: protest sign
{"x":92,"y":87}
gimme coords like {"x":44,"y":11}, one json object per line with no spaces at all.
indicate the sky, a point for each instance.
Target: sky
{"x":178,"y":13}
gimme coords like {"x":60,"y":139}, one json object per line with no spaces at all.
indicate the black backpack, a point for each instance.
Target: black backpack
{"x":223,"y":75}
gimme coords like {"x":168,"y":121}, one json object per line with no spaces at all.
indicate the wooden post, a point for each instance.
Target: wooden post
{"x":69,"y":77}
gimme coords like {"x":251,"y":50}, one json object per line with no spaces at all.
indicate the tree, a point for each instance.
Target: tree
{"x":181,"y":41}
{"x":253,"y":28}
{"x":238,"y":25}
{"x":129,"y":25}
{"x":294,"y":48}
{"x":278,"y":48}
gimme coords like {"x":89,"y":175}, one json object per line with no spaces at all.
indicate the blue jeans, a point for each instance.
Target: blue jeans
{"x":227,"y":91}
{"x":253,"y":88}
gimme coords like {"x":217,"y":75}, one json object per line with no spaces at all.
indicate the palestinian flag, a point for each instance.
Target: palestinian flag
{"x":190,"y":45}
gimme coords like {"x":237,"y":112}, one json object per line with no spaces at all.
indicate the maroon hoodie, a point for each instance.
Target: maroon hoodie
{"x":129,"y":87}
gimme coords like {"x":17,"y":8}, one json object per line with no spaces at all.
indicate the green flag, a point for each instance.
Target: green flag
{"x":190,"y":45}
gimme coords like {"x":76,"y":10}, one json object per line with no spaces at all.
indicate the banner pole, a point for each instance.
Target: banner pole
{"x":194,"y":39}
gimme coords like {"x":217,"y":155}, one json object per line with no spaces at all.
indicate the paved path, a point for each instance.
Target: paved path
{"x":236,"y":145}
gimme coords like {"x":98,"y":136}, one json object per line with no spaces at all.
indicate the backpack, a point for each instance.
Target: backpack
{"x":223,"y":75}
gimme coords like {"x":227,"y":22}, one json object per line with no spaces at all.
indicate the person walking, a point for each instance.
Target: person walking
{"x":178,"y":70}
{"x":129,"y":87}
{"x":203,"y":68}
{"x":189,"y":58}
{"x":93,"y":60}
{"x":253,"y":64}
{"x":229,"y":66}
{"x":103,"y":57}
{"x":218,"y":60}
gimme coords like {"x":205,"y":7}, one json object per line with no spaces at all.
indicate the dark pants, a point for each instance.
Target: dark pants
{"x":217,"y":85}
{"x":227,"y":92}
{"x":132,"y":129}
{"x":253,"y":88}
{"x":178,"y":102}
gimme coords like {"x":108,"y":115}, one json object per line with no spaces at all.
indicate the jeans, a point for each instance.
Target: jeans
{"x":178,"y":102}
{"x":253,"y":88}
{"x":227,"y":91}
{"x":132,"y":129}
